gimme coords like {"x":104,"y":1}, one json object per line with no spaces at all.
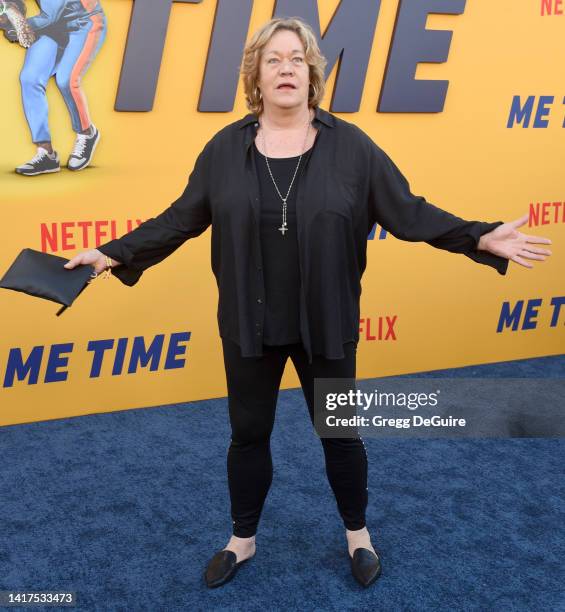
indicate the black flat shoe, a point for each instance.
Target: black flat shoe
{"x":365,"y":566}
{"x":221,"y":568}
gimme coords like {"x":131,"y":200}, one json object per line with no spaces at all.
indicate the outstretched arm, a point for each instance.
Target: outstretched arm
{"x":157,"y":238}
{"x":410,"y":217}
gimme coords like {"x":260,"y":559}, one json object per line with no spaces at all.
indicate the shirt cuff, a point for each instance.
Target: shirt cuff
{"x":500,"y":264}
{"x":124,"y":272}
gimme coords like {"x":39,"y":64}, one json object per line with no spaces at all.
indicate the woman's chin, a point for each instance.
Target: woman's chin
{"x":288,"y":103}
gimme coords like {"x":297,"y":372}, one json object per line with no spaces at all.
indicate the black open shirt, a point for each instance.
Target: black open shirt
{"x":346,"y":185}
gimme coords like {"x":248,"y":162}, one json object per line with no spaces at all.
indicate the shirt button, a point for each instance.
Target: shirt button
{"x":259,"y":301}
{"x":258,"y":333}
{"x":259,"y":268}
{"x":257,"y":324}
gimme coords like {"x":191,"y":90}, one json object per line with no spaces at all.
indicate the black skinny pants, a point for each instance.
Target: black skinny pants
{"x":253,"y":386}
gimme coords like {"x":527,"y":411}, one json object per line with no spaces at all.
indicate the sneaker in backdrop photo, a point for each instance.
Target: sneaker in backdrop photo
{"x":42,"y":163}
{"x":82,"y":152}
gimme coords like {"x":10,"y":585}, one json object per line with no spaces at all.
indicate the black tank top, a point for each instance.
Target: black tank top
{"x":280,"y":252}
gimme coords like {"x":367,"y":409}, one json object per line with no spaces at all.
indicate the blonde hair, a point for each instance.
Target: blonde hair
{"x":252,"y":55}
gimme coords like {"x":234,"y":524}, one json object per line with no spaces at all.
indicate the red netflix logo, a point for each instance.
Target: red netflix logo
{"x":71,"y":235}
{"x":544,"y":213}
{"x":379,"y":328}
{"x":551,"y":7}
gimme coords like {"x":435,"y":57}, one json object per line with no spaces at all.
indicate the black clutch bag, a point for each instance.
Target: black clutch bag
{"x":42,"y":275}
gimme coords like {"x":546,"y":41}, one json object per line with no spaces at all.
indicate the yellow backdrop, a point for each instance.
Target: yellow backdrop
{"x":464,"y":159}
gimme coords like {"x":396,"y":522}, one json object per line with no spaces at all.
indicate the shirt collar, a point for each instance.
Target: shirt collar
{"x":320,"y":116}
{"x":251,"y":122}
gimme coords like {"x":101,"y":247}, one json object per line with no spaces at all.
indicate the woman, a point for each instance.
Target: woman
{"x":291,"y":193}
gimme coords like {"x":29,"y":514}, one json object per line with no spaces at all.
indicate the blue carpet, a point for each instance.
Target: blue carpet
{"x":126,"y":508}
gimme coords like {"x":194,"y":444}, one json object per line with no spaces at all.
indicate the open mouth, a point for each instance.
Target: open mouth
{"x":286,"y":86}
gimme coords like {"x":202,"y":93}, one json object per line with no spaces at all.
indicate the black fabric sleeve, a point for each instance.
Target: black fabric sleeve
{"x":410,"y":217}
{"x":158,"y":237}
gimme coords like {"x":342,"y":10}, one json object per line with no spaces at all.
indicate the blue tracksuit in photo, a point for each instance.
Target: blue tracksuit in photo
{"x":69,"y":35}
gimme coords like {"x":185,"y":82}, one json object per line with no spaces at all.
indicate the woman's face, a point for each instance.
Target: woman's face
{"x":283,"y":61}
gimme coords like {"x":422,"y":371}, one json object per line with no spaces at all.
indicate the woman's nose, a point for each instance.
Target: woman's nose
{"x":286,"y":67}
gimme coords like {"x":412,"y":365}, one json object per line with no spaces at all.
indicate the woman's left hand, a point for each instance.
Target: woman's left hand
{"x":506,"y":241}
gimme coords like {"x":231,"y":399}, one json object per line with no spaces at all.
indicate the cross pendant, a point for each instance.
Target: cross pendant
{"x":283,"y":228}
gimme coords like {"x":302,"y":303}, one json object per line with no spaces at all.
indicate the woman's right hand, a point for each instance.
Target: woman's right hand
{"x":94,"y":258}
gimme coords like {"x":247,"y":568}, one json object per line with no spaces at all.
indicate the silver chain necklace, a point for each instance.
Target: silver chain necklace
{"x":283,"y":228}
